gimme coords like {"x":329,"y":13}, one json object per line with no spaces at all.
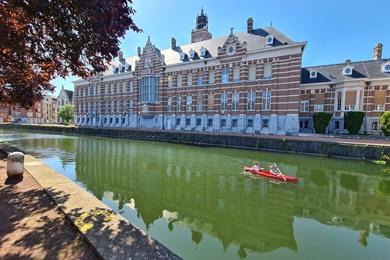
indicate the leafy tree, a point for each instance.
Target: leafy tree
{"x":66,"y":113}
{"x":321,"y":121}
{"x":42,"y":39}
{"x":353,"y":121}
{"x":385,"y":123}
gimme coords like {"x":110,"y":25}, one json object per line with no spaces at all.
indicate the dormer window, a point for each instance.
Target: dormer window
{"x":269,"y":40}
{"x":192,"y":54}
{"x":347,"y":71}
{"x":123,"y":69}
{"x":386,"y":67}
{"x":116,"y":70}
{"x":182,"y":56}
{"x":129,"y":68}
{"x":203,"y":52}
{"x":313,"y":74}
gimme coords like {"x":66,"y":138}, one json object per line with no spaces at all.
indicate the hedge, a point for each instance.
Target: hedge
{"x":353,"y":121}
{"x":321,"y":121}
{"x":385,"y":123}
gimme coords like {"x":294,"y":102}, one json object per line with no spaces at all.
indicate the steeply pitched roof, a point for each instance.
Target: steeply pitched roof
{"x":333,"y":73}
{"x":255,"y":41}
{"x":70,"y":95}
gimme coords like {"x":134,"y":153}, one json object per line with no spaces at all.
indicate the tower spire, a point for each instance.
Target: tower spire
{"x":201,"y":20}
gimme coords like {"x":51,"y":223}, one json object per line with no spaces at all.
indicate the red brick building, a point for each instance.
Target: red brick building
{"x":245,"y":82}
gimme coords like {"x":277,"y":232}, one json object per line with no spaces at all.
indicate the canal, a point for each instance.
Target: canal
{"x":196,"y":202}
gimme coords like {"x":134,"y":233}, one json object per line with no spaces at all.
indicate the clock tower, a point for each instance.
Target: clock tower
{"x":201,"y":32}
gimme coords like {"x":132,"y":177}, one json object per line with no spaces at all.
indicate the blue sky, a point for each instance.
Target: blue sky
{"x":335,"y":30}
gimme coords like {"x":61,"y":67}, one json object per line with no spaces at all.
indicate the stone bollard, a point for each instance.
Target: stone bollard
{"x":15,"y":164}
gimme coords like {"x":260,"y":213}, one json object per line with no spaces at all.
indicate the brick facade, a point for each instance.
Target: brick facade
{"x":235,"y":83}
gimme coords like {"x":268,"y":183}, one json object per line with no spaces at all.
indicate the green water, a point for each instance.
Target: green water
{"x":197,"y":203}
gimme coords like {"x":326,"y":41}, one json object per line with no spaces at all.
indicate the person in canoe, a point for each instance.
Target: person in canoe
{"x":256,"y":166}
{"x":275,"y":171}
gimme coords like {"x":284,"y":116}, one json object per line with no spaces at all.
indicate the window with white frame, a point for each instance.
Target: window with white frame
{"x":189,"y":103}
{"x":225,"y":75}
{"x":318,"y":108}
{"x":189,"y":79}
{"x":267,"y":71}
{"x":266,"y":99}
{"x":304,"y":107}
{"x":179,"y":80}
{"x":224,"y":98}
{"x":252,"y":72}
{"x":212,"y":77}
{"x":251,"y":100}
{"x":170,"y":82}
{"x":236,"y":74}
{"x":178,"y":103}
{"x":235,"y":100}
{"x":169,"y":105}
{"x":379,"y":108}
{"x":339,"y":100}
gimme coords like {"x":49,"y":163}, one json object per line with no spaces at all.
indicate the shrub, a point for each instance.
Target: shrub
{"x":321,"y":121}
{"x":353,"y":121}
{"x":385,"y":123}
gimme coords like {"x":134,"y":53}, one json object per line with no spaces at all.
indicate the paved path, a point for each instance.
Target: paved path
{"x":31,"y":224}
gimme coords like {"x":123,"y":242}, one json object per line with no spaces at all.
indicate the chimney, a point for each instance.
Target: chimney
{"x":249,"y":25}
{"x":173,"y":43}
{"x":139,"y":51}
{"x":377,"y":52}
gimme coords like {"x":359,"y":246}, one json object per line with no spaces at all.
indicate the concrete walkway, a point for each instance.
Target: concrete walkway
{"x":32,"y":226}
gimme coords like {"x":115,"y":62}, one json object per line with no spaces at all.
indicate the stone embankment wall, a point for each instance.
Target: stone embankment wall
{"x":265,"y":143}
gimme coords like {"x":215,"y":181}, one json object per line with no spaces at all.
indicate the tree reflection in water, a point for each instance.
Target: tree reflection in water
{"x":209,"y":196}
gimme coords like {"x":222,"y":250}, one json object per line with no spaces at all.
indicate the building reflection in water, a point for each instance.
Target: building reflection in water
{"x":202,"y":191}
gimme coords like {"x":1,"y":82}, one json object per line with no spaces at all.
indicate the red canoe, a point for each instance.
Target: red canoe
{"x":268,"y":174}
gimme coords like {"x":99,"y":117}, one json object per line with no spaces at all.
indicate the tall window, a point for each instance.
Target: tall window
{"x":169,"y":107}
{"x":178,"y":103}
{"x":236,"y":74}
{"x":179,"y":80}
{"x":267,"y":71}
{"x":199,"y":80}
{"x":235,"y":100}
{"x":131,"y":87}
{"x":149,"y":89}
{"x":210,"y":102}
{"x":170,"y":82}
{"x":251,"y":100}
{"x":339,"y":95}
{"x":189,"y":103}
{"x":252,"y":73}
{"x":189,"y":79}
{"x":266,"y":98}
{"x":199,"y":103}
{"x":225,"y":75}
{"x":224,"y":97}
{"x":212,"y":77}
